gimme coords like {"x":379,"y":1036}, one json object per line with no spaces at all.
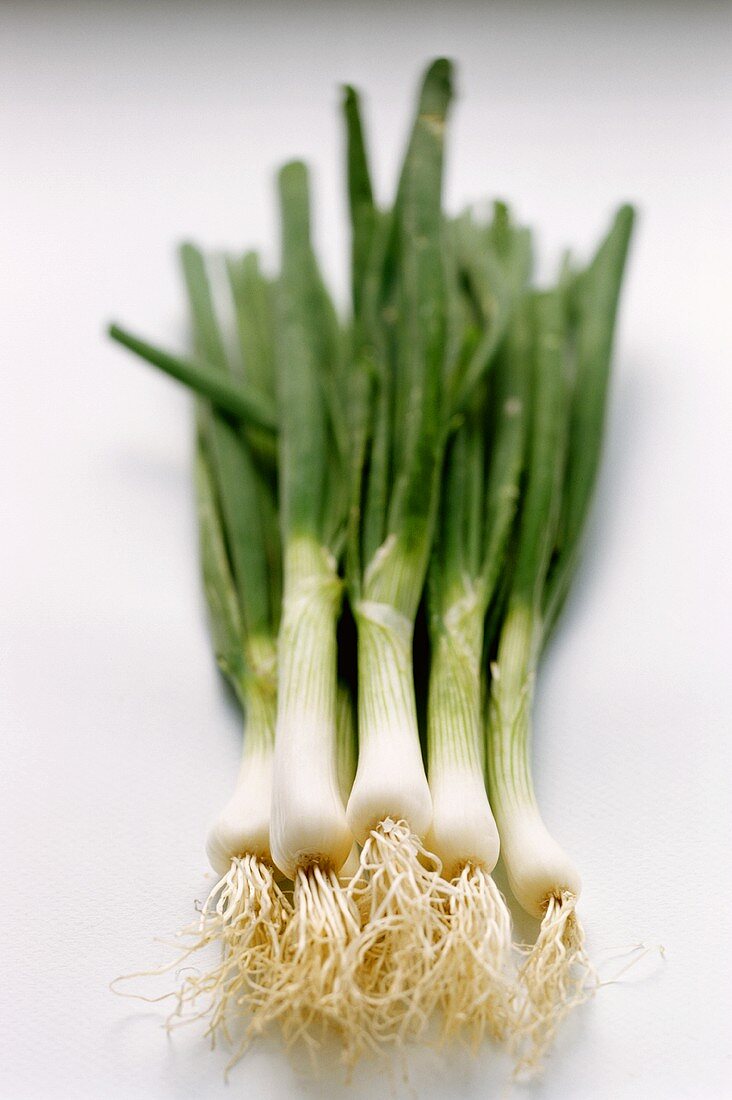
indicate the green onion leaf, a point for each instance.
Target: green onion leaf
{"x":235,"y":397}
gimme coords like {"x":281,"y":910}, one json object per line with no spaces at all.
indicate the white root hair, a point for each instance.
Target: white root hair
{"x":402,"y":899}
{"x":245,"y":915}
{"x":556,"y":977}
{"x":310,"y":988}
{"x":478,"y":996}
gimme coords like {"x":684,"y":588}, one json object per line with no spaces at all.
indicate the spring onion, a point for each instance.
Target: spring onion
{"x":246,"y":912}
{"x":573,"y":321}
{"x":400,"y":325}
{"x":310,"y":836}
{"x":480,"y":498}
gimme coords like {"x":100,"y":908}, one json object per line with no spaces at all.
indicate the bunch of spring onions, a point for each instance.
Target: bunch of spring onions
{"x":391,"y":506}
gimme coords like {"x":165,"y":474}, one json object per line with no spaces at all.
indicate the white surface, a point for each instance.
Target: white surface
{"x":127,"y":126}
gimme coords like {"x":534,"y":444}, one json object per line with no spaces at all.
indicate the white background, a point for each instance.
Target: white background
{"x":126,"y":126}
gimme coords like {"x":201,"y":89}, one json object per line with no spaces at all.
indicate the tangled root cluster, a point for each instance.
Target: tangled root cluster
{"x":308,"y":989}
{"x":245,"y":915}
{"x":403,"y":902}
{"x":372,"y":959}
{"x":478,"y":997}
{"x":556,"y":977}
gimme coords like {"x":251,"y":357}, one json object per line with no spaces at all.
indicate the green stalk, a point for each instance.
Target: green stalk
{"x":218,"y":583}
{"x":233,"y":396}
{"x":509,"y":734}
{"x":595,"y":301}
{"x":360,"y":195}
{"x":495,"y":263}
{"x":253,"y":295}
{"x":244,"y":494}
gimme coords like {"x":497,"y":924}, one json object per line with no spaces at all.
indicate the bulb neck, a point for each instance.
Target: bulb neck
{"x":463,"y":828}
{"x":258,"y":694}
{"x":454,"y":712}
{"x":509,"y":713}
{"x":390,"y":777}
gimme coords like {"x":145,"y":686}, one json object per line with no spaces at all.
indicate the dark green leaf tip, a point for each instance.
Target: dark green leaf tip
{"x":294,"y":172}
{"x":436,"y":91}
